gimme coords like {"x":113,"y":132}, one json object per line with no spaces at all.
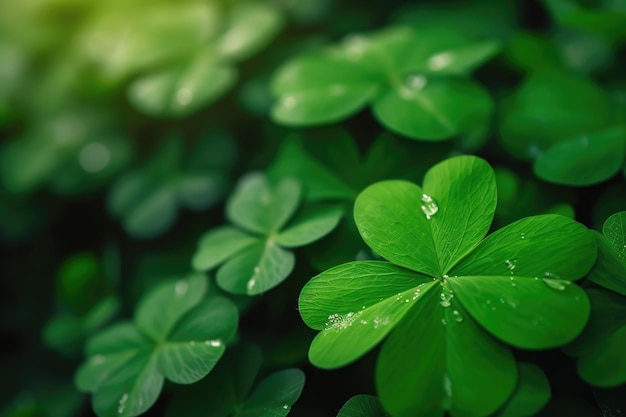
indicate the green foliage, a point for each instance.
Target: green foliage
{"x":362,"y":406}
{"x":233,"y":392}
{"x":255,"y":255}
{"x":599,"y":348}
{"x":444,"y":283}
{"x":128,"y":362}
{"x":416,"y":81}
{"x":165,"y":164}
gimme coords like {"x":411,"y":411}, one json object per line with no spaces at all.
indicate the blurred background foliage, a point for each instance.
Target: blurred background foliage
{"x":125,"y":126}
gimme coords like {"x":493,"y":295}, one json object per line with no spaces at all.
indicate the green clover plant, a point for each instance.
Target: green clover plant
{"x":129,"y":361}
{"x":183,"y":87}
{"x":255,"y":254}
{"x":417,"y":82}
{"x":449,"y":299}
{"x":234,"y":389}
{"x":600,"y":348}
{"x":147,"y":199}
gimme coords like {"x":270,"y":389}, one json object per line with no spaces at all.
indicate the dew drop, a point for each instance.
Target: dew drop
{"x":510,"y":265}
{"x":354,"y":46}
{"x":94,"y":157}
{"x":122,"y":404}
{"x":213,"y":343}
{"x":181,"y":288}
{"x":502,"y":301}
{"x":488,"y":301}
{"x":288,"y":102}
{"x":556,"y":284}
{"x":378,"y":321}
{"x":522,"y":235}
{"x":98,"y":359}
{"x":551,"y":275}
{"x":286,"y":407}
{"x":340,"y":321}
{"x":184,"y":96}
{"x":364,"y":322}
{"x":445,"y":303}
{"x":440,"y":61}
{"x":415,"y":82}
{"x":443,"y":321}
{"x":429,"y":206}
{"x":447,"y":389}
{"x":457,"y":316}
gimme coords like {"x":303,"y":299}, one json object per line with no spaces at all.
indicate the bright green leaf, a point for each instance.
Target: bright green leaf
{"x":447,"y":363}
{"x":310,"y":226}
{"x":256,"y":269}
{"x":526,"y":312}
{"x":218,"y":245}
{"x":365,"y":300}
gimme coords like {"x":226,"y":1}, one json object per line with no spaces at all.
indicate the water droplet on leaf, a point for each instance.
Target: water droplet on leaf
{"x":122,"y":404}
{"x":181,"y":288}
{"x":429,"y":206}
{"x":440,"y":61}
{"x":415,"y":82}
{"x":556,"y":284}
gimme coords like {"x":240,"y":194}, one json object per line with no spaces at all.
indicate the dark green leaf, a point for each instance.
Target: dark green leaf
{"x":531,"y":394}
{"x":584,"y":159}
{"x":362,"y":406}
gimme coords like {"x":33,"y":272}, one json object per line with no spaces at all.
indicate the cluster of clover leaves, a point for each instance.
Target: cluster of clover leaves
{"x":447,"y":300}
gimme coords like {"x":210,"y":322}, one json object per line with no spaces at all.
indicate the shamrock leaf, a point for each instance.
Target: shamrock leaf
{"x":231,"y":389}
{"x":254,"y":255}
{"x":128,"y":362}
{"x":448,"y":298}
{"x":183,"y":88}
{"x":148,"y":199}
{"x":570,"y":143}
{"x":415,"y":80}
{"x":531,"y":393}
{"x":600,"y":348}
{"x":362,"y":406}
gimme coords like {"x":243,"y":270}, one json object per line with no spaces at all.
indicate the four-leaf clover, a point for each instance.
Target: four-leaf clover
{"x":128,"y":362}
{"x":448,"y":298}
{"x":254,"y":255}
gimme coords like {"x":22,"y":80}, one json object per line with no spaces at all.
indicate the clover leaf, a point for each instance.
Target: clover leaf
{"x":416,"y":81}
{"x":570,"y":142}
{"x":531,"y":394}
{"x":254,"y":255}
{"x":234,"y":389}
{"x":448,"y":298}
{"x":128,"y":362}
{"x":362,"y":406}
{"x":600,"y":347}
{"x":181,"y":89}
{"x":147,"y":199}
